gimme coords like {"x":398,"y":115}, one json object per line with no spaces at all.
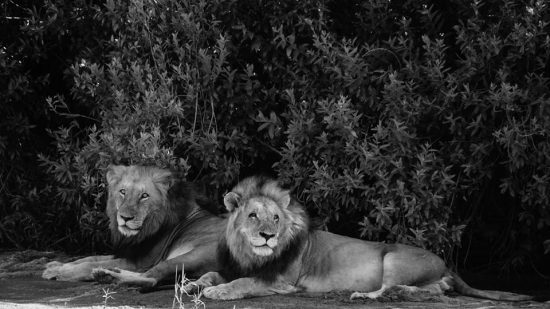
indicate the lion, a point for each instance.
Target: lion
{"x":269,"y":248}
{"x":158,"y":225}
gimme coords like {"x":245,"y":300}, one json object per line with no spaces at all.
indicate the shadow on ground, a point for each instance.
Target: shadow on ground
{"x":22,"y":287}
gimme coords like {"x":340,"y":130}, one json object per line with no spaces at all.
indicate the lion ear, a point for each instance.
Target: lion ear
{"x":231,"y":201}
{"x":285,"y":200}
{"x":164,"y":178}
{"x":114,"y":173}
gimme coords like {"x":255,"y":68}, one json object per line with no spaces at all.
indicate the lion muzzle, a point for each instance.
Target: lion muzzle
{"x":265,"y":244}
{"x":128,"y":225}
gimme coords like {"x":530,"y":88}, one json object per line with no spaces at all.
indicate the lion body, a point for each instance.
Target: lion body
{"x":269,"y":248}
{"x":332,"y":262}
{"x":157,"y":226}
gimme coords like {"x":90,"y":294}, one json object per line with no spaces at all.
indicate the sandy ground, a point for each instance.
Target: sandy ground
{"x":22,"y":287}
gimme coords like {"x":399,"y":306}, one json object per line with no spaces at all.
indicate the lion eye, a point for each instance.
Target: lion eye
{"x":252,"y":215}
{"x":122,"y":191}
{"x":144,"y":196}
{"x":276,"y":218}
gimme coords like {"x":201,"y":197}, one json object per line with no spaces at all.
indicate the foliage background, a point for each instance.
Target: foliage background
{"x":442,"y":143}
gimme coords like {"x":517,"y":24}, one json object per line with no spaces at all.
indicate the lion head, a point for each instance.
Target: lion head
{"x":265,"y":229}
{"x":137,"y":204}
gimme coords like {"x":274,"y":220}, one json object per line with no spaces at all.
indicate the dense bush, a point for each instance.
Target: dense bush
{"x":446,"y":126}
{"x":37,"y":43}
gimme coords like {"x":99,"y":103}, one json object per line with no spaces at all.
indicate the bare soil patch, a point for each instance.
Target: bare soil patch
{"x":22,"y":287}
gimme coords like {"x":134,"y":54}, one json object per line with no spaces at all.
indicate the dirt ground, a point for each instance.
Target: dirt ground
{"x":22,"y":287}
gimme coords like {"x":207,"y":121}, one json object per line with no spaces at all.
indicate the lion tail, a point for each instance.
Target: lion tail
{"x":463,"y":288}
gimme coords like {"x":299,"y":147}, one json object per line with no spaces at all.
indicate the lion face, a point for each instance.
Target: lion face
{"x":134,"y":200}
{"x":261,"y":222}
{"x":264,"y":223}
{"x":137,"y":199}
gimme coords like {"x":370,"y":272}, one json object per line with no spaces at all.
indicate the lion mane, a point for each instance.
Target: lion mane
{"x":234,"y":251}
{"x":170,"y":201}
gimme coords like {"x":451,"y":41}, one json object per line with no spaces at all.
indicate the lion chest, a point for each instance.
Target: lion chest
{"x":179,"y":250}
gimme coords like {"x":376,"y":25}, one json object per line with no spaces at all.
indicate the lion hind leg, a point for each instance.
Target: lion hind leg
{"x":397,"y":272}
{"x":435,"y":288}
{"x":438,"y":287}
{"x":370,"y":295}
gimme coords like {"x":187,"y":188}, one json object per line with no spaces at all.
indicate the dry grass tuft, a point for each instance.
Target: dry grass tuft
{"x":180,"y":292}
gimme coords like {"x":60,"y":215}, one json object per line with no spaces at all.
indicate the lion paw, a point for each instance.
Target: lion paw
{"x":191,"y":288}
{"x":59,"y":271}
{"x":52,"y":271}
{"x":221,"y":292}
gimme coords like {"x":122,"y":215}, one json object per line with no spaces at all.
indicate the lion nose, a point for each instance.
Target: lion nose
{"x":126,"y":219}
{"x":266,"y":235}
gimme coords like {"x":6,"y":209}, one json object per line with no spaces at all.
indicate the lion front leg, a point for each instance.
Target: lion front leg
{"x":122,"y":276}
{"x":247,"y":287}
{"x":81,"y":270}
{"x":207,"y":280}
{"x":192,"y":262}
